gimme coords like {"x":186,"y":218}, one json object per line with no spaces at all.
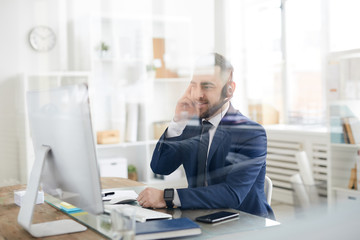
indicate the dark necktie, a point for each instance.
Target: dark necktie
{"x":202,"y":153}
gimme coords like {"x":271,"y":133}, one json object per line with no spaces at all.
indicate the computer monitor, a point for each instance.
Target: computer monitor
{"x":65,"y":156}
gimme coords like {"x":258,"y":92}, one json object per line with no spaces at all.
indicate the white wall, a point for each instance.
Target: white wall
{"x":8,"y":59}
{"x":201,"y":13}
{"x":17,"y":18}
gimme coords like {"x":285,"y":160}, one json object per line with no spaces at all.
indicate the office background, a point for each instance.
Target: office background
{"x":139,"y":54}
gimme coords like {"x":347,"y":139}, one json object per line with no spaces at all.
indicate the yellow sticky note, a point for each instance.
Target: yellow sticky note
{"x":67,"y":205}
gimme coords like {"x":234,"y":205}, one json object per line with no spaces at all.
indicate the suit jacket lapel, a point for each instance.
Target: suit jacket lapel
{"x":220,"y":134}
{"x":216,"y":142}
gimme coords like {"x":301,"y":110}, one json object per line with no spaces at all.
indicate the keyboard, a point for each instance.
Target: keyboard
{"x":141,"y":214}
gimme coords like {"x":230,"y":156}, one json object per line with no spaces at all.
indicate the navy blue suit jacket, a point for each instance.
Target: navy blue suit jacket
{"x":235,"y":168}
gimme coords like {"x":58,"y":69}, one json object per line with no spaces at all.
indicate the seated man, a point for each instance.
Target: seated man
{"x":222,"y":151}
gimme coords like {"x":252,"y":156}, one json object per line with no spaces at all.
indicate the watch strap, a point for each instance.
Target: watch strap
{"x":169,"y":197}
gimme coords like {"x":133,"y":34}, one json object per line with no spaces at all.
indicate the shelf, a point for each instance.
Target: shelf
{"x":126,"y":144}
{"x":346,"y":190}
{"x":153,"y":142}
{"x":60,"y":74}
{"x":108,"y":17}
{"x":345,"y":145}
{"x":344,"y":102}
{"x":172,"y":80}
{"x":311,"y":130}
{"x":122,"y":81}
{"x":353,"y":53}
{"x":117,"y":60}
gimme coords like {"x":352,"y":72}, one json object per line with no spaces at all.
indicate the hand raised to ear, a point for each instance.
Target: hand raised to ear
{"x":185,"y":107}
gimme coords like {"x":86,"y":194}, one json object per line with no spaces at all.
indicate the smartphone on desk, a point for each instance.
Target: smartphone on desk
{"x":217,"y":217}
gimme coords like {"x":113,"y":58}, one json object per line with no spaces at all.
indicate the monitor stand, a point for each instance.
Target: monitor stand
{"x":28,"y":204}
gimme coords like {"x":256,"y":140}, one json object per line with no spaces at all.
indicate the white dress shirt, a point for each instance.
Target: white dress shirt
{"x":175,"y":129}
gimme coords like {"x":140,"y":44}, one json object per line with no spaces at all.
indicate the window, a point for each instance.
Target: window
{"x":284,"y":48}
{"x":263,"y":60}
{"x":304,"y":49}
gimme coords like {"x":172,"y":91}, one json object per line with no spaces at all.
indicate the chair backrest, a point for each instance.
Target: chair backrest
{"x":268,"y":187}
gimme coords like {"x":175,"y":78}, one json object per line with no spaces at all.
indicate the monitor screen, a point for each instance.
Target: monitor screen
{"x":60,"y":118}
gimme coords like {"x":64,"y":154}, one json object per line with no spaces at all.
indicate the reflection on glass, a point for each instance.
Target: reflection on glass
{"x":262,"y":33}
{"x":123,"y":224}
{"x":222,"y":151}
{"x":304,"y":49}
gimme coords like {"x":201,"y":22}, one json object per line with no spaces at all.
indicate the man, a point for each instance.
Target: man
{"x":223,"y":154}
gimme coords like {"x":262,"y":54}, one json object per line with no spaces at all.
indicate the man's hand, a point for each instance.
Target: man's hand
{"x":152,"y":197}
{"x":185,"y":108}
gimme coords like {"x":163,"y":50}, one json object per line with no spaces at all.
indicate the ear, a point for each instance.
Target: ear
{"x":230,"y":89}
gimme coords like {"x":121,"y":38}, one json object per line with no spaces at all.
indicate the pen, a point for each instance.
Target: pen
{"x":107,"y":193}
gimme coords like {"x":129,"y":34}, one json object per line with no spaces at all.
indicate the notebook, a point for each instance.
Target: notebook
{"x":171,"y":228}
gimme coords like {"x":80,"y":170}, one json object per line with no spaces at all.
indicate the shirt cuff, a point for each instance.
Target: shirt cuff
{"x":175,"y":129}
{"x":176,"y":200}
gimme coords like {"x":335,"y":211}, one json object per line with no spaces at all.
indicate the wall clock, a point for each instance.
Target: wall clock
{"x":42,"y":38}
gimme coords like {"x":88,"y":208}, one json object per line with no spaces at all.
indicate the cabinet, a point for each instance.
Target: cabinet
{"x":343,"y":94}
{"x":128,"y":95}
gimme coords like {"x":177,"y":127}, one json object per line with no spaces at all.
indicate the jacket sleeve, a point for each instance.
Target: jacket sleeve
{"x":169,"y":153}
{"x":228,"y":194}
{"x":245,"y":160}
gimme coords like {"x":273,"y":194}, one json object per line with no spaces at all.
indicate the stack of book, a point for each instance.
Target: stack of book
{"x":344,"y":126}
{"x":351,"y":126}
{"x":171,"y":228}
{"x":354,"y":181}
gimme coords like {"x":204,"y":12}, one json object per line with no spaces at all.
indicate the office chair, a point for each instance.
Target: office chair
{"x":268,"y":187}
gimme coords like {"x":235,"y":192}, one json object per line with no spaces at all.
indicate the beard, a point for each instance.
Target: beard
{"x":212,"y":110}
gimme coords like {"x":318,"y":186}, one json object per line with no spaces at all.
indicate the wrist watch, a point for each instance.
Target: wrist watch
{"x":169,"y":197}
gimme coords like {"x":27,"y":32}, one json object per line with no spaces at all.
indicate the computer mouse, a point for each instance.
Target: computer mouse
{"x":122,"y":200}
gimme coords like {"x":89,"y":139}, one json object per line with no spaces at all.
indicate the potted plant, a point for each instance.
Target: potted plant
{"x":132,"y":174}
{"x":103,"y":49}
{"x":152,"y":67}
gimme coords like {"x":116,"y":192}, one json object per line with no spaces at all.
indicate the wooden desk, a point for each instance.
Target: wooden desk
{"x":10,"y":229}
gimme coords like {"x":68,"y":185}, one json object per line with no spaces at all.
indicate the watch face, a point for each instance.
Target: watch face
{"x":168,"y":193}
{"x":42,"y":38}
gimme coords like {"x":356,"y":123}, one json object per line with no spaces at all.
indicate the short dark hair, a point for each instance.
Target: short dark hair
{"x":216,"y":59}
{"x":222,"y":62}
